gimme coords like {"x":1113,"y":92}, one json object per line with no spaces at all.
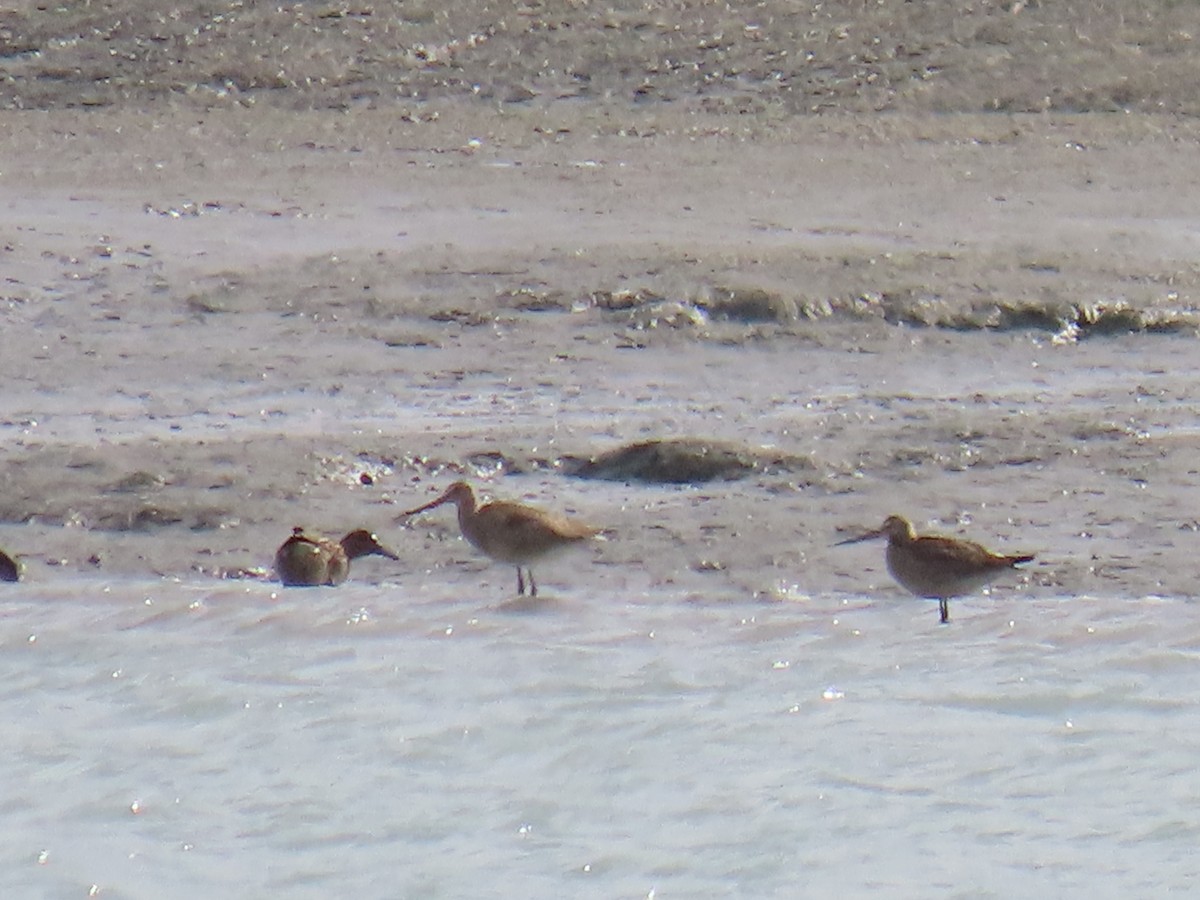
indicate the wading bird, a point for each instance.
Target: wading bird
{"x":511,"y":532}
{"x":937,"y":568}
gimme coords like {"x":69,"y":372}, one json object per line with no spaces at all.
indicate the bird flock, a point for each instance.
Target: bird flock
{"x":928,"y":566}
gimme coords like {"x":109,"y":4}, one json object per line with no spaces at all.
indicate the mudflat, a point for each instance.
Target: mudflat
{"x":942,"y":262}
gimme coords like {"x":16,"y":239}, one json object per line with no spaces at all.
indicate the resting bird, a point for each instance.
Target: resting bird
{"x":306,"y":560}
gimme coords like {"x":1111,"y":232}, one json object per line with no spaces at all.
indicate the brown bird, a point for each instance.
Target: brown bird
{"x":306,"y":560}
{"x":10,"y":569}
{"x":511,"y":532}
{"x":937,"y":568}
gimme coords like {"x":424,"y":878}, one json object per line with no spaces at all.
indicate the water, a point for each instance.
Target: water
{"x":783,"y":722}
{"x":190,"y":740}
{"x":716,"y":703}
{"x":231,"y":291}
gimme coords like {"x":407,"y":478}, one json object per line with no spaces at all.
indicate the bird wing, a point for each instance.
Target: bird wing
{"x":958,"y":558}
{"x":508,"y":528}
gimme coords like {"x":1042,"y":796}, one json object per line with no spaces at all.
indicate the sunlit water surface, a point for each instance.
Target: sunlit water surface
{"x":205,"y":739}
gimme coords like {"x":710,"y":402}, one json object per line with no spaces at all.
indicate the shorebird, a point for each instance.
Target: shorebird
{"x":937,"y":568}
{"x":306,"y":560}
{"x":10,"y":569}
{"x":511,"y":532}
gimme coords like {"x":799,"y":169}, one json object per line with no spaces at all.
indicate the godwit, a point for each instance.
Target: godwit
{"x":937,"y":567}
{"x":10,"y":569}
{"x":306,"y":560}
{"x":511,"y":532}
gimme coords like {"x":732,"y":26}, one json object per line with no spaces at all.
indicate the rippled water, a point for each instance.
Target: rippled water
{"x":716,"y":703}
{"x":778,"y":723}
{"x":191,"y":740}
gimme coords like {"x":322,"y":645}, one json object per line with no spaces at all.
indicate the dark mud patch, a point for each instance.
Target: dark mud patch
{"x":1068,"y":319}
{"x":683,"y":461}
{"x":752,"y":305}
{"x":9,"y":568}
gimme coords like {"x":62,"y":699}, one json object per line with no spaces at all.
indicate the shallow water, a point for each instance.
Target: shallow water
{"x":218,"y":323}
{"x":182,"y":739}
{"x":716,"y":702}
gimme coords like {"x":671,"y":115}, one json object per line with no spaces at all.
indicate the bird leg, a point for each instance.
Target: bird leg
{"x":521,"y":582}
{"x":945,"y":607}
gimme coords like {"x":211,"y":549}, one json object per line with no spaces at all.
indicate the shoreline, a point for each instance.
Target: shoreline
{"x":210,"y":333}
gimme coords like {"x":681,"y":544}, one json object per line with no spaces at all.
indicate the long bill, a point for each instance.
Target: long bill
{"x":430,"y":505}
{"x":858,"y":539}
